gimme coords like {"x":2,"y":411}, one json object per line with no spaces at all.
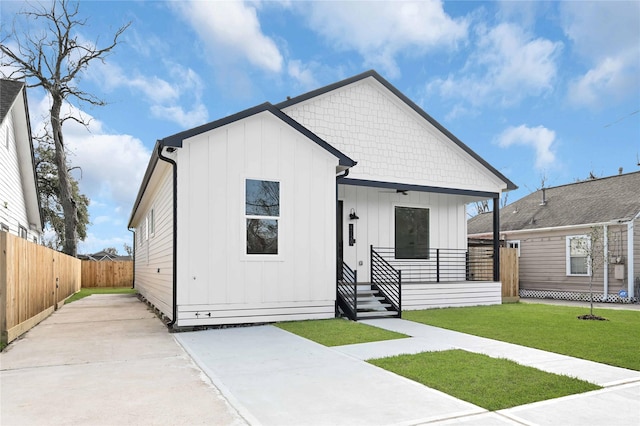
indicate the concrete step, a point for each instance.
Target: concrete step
{"x":373,"y":305}
{"x":372,"y":314}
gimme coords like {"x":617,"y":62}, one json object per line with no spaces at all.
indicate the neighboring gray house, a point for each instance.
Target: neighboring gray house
{"x":269,"y":214}
{"x":19,"y":201}
{"x":551,"y":229}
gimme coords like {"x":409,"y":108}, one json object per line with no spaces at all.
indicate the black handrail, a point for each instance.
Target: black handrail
{"x":441,"y":265}
{"x":348,"y":292}
{"x":387,"y":280}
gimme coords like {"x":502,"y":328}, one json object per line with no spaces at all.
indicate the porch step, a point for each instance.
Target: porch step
{"x":372,"y":314}
{"x":375,"y":305}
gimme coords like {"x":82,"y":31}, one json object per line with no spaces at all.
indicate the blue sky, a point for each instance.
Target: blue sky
{"x":538,"y":89}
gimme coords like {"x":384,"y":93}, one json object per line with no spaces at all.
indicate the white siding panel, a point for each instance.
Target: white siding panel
{"x":213,"y":168}
{"x":450,"y":294}
{"x":154,"y":256}
{"x":13,"y":208}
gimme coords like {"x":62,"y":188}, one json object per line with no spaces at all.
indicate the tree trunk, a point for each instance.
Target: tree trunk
{"x":69,"y":208}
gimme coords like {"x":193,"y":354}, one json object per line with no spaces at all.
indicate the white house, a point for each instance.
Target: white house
{"x":269,"y":214}
{"x":19,"y":202}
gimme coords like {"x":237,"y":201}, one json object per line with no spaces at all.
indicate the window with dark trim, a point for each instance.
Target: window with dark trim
{"x":411,"y":233}
{"x":22,"y":232}
{"x":262,"y":213}
{"x":4,"y":227}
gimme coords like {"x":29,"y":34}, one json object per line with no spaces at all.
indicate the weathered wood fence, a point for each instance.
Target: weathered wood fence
{"x":35,"y":281}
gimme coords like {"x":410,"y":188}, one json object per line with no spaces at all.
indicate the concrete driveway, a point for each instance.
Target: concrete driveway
{"x":106,"y":360}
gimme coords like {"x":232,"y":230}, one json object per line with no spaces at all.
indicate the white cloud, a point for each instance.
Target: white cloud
{"x":539,"y":138}
{"x":231,"y":30}
{"x":94,"y":243}
{"x":508,"y":65}
{"x":379,"y":31}
{"x":302,"y":73}
{"x":605,"y":35}
{"x":165,"y":97}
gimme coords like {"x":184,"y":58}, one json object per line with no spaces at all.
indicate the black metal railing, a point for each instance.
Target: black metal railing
{"x":441,"y":265}
{"x":347,"y":293}
{"x":387,"y":280}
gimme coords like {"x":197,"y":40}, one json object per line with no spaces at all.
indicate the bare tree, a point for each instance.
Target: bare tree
{"x":54,"y":60}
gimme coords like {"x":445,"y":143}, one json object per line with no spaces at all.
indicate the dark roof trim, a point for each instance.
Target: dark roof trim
{"x":418,"y":188}
{"x":409,"y":102}
{"x":176,"y":140}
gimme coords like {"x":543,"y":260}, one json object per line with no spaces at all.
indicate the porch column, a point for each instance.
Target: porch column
{"x":496,"y":238}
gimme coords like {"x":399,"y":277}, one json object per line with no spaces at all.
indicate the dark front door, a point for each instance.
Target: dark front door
{"x":339,"y":239}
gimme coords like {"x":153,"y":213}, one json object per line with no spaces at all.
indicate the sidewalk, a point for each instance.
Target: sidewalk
{"x":105,"y":360}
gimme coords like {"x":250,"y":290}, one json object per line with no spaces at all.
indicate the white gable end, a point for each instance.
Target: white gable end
{"x":390,"y":141}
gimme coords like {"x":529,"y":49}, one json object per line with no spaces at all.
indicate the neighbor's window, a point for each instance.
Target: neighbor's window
{"x":262,"y":211}
{"x":4,"y":227}
{"x":577,"y":255}
{"x":514,"y":244}
{"x":412,"y":233}
{"x":22,"y":232}
{"x":152,"y":223}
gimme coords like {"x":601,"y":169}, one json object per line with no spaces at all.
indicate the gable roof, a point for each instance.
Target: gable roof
{"x":176,"y":140}
{"x":409,"y":103}
{"x":613,"y":198}
{"x":10,"y":92}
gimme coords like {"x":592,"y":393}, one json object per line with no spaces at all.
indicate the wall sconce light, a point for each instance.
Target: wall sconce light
{"x":353,"y":215}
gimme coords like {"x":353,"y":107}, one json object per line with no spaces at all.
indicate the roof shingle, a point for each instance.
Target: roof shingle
{"x":592,"y":201}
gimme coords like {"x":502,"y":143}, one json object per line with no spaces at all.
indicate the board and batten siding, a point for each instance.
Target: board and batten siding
{"x":543,"y":264}
{"x":154,"y":251}
{"x":375,"y":208}
{"x":636,"y":257}
{"x":13,"y":209}
{"x":218,"y":283}
{"x":390,"y":141}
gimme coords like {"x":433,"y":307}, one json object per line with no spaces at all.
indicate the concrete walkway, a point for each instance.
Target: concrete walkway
{"x":276,"y":378}
{"x":106,"y":360}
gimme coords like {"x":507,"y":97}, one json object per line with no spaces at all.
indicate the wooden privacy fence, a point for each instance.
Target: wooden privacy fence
{"x":509,"y":274}
{"x":482,"y":269}
{"x":33,"y":281}
{"x":107,"y":273}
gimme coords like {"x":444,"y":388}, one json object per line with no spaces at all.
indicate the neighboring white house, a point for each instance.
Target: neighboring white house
{"x":19,"y":202}
{"x":250,"y":218}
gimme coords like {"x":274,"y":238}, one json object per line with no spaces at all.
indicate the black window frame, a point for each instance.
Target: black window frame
{"x":411,"y":250}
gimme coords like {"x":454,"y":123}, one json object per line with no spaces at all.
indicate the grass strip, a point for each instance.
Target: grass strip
{"x":548,"y":327}
{"x":338,"y":331}
{"x":84,"y":292}
{"x":488,"y":382}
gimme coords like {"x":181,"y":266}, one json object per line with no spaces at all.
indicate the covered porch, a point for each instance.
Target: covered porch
{"x":445,"y":278}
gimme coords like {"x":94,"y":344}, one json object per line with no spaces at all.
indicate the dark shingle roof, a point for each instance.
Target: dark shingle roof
{"x":592,"y":201}
{"x":9,"y":89}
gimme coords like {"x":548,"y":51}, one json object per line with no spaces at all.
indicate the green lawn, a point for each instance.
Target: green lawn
{"x":89,"y":291}
{"x":488,"y":382}
{"x":548,"y":327}
{"x":338,"y":331}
